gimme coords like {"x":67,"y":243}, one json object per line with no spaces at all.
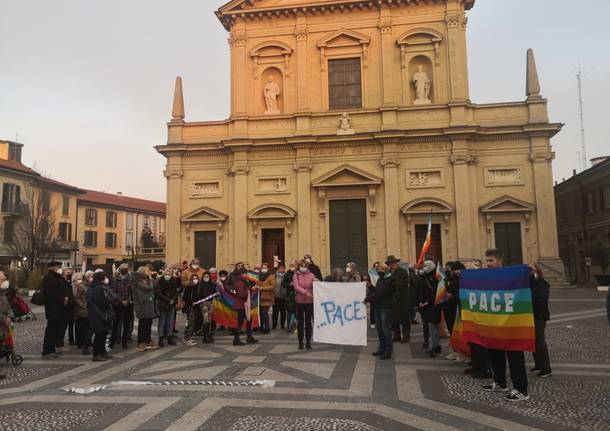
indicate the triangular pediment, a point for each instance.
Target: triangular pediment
{"x":346,"y":175}
{"x":272,"y":211}
{"x":343,"y":37}
{"x":507,"y":204}
{"x":204,"y":214}
{"x":425,"y":205}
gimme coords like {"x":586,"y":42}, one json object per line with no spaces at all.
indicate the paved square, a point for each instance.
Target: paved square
{"x":337,"y":388}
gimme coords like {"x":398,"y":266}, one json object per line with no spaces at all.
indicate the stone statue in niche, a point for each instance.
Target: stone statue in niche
{"x":422,"y":87}
{"x":345,"y":125}
{"x":271,"y":93}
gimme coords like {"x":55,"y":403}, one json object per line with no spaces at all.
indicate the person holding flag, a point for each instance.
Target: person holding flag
{"x":239,"y":287}
{"x":429,"y":310}
{"x":426,"y":246}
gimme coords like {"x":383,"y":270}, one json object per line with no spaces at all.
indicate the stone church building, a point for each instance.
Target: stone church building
{"x":351,"y":121}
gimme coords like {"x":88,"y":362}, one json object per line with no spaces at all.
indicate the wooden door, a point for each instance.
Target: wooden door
{"x":508,"y":240}
{"x":205,"y":248}
{"x":272,"y":245}
{"x":435,"y":252}
{"x":348,"y":236}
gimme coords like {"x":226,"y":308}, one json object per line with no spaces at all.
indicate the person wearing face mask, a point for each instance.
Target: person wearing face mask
{"x":6,"y":311}
{"x":123,"y":306}
{"x":382,"y":300}
{"x":336,"y":276}
{"x":99,"y":310}
{"x":238,"y":286}
{"x":351,"y":273}
{"x":312,"y":267}
{"x":403,"y":283}
{"x":206,"y":288}
{"x":266,"y":285}
{"x":55,"y":298}
{"x":540,"y":302}
{"x":290,"y":301}
{"x":192,"y":312}
{"x":81,"y":314}
{"x":303,"y":285}
{"x":166,"y":293}
{"x":279,"y":293}
{"x":194,"y":268}
{"x":430,"y":312}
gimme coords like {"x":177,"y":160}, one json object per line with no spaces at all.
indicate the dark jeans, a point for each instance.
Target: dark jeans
{"x":279,"y":310}
{"x":123,"y":314}
{"x":99,"y":343}
{"x":81,"y":327}
{"x":305,"y":319}
{"x":241,"y":316}
{"x":383,"y":320}
{"x":51,"y":333}
{"x":516,"y":363}
{"x":450,"y":311}
{"x":144,"y":331}
{"x":373,"y":315}
{"x":264,"y":319}
{"x":541,"y":355}
{"x":425,"y":327}
{"x":479,"y":357}
{"x":71,"y":337}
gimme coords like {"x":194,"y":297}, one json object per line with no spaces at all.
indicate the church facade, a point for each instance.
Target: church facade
{"x":350,"y":122}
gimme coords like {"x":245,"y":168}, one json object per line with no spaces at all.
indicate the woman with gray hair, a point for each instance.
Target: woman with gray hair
{"x":351,"y":273}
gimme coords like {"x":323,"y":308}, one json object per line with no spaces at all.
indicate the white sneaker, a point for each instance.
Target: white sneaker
{"x":451,"y":357}
{"x":494,"y":387}
{"x":515,"y":396}
{"x":373,"y":326}
{"x":190,"y":343}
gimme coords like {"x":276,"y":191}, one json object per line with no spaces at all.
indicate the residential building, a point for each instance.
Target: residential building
{"x":583,"y":220}
{"x":350,"y":121}
{"x":115,"y":228}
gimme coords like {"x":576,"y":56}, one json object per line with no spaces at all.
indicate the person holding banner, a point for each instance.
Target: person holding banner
{"x":540,"y":301}
{"x":498,"y":358}
{"x":303,"y":285}
{"x":382,"y":300}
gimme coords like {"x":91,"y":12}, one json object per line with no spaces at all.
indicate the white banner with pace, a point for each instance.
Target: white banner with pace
{"x":339,"y":314}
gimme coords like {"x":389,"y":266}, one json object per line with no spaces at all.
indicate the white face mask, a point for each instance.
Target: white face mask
{"x":348,"y":269}
{"x":167,"y":277}
{"x":303,"y":269}
{"x":60,"y":271}
{"x":206,"y":278}
{"x":264,"y":270}
{"x":195,"y":280}
{"x":223,"y":278}
{"x":4,"y":285}
{"x":106,"y":281}
{"x":195,"y":266}
{"x":79,"y":282}
{"x":308,"y":260}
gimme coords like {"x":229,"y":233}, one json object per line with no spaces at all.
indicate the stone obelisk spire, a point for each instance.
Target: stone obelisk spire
{"x":532,"y":85}
{"x":178,"y":105}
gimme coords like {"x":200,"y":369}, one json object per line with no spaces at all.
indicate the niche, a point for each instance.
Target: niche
{"x":272,"y":91}
{"x":421,"y":81}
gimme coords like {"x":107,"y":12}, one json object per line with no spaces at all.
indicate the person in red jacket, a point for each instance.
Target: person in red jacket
{"x":303,"y":285}
{"x":239,"y":287}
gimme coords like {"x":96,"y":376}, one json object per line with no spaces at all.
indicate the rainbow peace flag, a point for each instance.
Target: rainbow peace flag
{"x":224,"y":313}
{"x":253,"y":277}
{"x":457,"y":341}
{"x":427,"y":242}
{"x":441,"y":290}
{"x":497,"y":310}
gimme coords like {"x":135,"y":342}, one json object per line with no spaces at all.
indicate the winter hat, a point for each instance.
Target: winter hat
{"x":428,"y":267}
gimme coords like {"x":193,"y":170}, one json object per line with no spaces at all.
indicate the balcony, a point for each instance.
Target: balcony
{"x":58,"y":245}
{"x":152,"y":250}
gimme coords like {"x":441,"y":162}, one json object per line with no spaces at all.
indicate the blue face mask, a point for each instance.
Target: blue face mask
{"x":167,"y":277}
{"x":303,"y":269}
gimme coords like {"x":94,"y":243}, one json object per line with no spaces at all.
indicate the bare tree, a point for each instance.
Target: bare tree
{"x":34,"y":227}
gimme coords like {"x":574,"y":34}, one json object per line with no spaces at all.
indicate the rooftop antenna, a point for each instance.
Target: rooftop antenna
{"x":583,"y":148}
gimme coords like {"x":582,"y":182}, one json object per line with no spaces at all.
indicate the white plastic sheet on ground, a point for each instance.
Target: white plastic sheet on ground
{"x":260,"y":383}
{"x":339,"y":314}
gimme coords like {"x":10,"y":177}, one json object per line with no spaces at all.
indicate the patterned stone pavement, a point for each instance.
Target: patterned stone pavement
{"x":330,"y":388}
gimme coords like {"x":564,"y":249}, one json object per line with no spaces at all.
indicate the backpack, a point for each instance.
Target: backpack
{"x":38,"y":296}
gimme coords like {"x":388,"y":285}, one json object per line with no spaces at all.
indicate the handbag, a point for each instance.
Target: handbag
{"x":38,"y":297}
{"x":179,"y":303}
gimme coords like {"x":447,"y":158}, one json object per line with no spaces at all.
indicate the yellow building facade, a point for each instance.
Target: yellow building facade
{"x":350,"y":122}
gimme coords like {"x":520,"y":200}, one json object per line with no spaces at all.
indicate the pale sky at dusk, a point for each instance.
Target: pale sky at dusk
{"x":88,"y":85}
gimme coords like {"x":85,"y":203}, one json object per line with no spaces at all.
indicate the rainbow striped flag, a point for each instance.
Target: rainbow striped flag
{"x":253,"y":277}
{"x":441,"y":289}
{"x":497,"y":310}
{"x":224,"y":313}
{"x":427,"y":242}
{"x":457,"y":341}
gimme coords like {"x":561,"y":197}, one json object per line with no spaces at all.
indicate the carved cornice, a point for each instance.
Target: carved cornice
{"x":463,"y":158}
{"x":238,"y":167}
{"x":390,"y":162}
{"x":303,"y":165}
{"x":173,"y":173}
{"x":542,"y":156}
{"x":385,"y":25}
{"x":301,"y":32}
{"x":237,"y":38}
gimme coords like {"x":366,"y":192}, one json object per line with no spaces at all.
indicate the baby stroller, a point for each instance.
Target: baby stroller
{"x":7,"y":346}
{"x":21,"y":310}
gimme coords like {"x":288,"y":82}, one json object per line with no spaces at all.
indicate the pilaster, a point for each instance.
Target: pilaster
{"x":174,"y":174}
{"x":390,"y":165}
{"x":239,"y":57}
{"x":466,"y":211}
{"x":300,"y":33}
{"x":456,"y":23}
{"x":302,"y":166}
{"x":387,"y":56}
{"x":238,"y":169}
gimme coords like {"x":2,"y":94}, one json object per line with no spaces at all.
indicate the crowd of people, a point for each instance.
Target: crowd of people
{"x":98,"y":311}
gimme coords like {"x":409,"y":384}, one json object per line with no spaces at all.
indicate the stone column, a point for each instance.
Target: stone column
{"x":541,"y":157}
{"x":387,"y":57}
{"x":174,"y":174}
{"x":239,"y":170}
{"x":390,"y":164}
{"x":458,"y":67}
{"x":466,"y":211}
{"x":300,"y":34}
{"x":303,"y":167}
{"x":239,"y":57}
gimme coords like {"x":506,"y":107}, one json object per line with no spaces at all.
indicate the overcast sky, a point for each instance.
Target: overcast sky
{"x":87,"y":85}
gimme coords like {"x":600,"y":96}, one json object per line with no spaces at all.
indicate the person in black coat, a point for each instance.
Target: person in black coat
{"x":452,"y":282}
{"x":166,"y":293}
{"x":289,"y":302}
{"x":99,"y":309}
{"x":540,"y":302}
{"x":313,"y":268}
{"x":402,"y":283}
{"x":430,"y":312}
{"x":55,"y":299}
{"x":382,"y":298}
